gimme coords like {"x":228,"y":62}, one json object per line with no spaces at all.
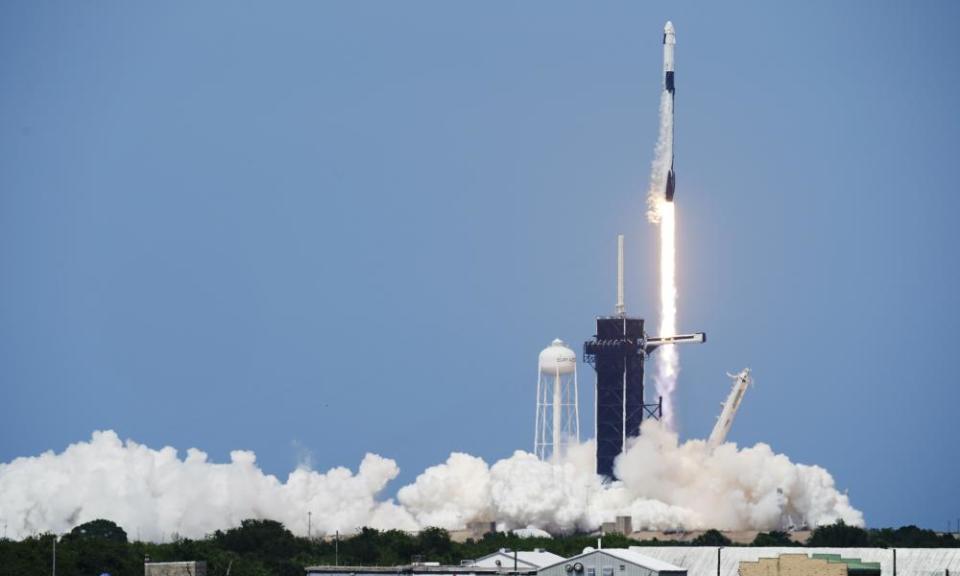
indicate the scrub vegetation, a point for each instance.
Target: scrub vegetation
{"x":267,"y":548}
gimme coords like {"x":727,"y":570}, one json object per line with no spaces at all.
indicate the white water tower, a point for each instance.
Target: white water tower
{"x":558,"y":409}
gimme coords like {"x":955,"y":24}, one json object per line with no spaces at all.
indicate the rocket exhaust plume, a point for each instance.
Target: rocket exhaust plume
{"x":661,"y":211}
{"x":159,"y":492}
{"x":668,"y":360}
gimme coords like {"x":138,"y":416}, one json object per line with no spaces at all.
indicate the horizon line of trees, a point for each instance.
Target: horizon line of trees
{"x":268,"y":548}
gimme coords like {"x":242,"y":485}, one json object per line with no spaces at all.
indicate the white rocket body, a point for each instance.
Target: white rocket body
{"x":669,"y":41}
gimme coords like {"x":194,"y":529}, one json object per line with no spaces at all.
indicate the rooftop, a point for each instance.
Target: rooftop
{"x":631,"y":556}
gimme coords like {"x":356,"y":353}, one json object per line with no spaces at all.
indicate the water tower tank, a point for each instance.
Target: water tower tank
{"x":557,"y":358}
{"x":558,"y":410}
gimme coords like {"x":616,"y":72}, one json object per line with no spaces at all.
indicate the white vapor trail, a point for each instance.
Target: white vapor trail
{"x":663,"y":213}
{"x":157,"y":494}
{"x":662,"y":160}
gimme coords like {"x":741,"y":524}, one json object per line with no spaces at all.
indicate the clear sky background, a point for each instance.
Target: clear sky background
{"x":317,"y":229}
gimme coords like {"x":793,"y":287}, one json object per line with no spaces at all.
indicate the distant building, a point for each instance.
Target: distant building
{"x":727,"y":561}
{"x":803,"y":565}
{"x":417,"y":569}
{"x":174,"y":568}
{"x":477,"y":529}
{"x":612,"y":562}
{"x":505,"y":558}
{"x":622,"y":525}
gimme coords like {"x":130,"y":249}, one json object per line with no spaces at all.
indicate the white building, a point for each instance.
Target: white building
{"x":612,"y":562}
{"x":504,"y":559}
{"x":174,"y":568}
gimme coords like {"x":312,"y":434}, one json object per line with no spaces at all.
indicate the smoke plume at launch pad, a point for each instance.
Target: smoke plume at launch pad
{"x":665,"y":484}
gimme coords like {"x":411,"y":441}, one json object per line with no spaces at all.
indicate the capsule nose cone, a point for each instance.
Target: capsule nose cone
{"x":669,"y":37}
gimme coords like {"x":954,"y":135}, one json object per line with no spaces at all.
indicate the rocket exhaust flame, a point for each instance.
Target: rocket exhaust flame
{"x":668,"y":360}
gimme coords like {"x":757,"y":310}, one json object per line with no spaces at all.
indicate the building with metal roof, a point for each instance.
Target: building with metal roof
{"x":612,"y":562}
{"x":725,"y":561}
{"x":505,"y":558}
{"x":416,"y":569}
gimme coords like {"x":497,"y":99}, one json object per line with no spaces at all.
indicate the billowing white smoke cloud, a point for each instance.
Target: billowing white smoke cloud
{"x":156,"y":494}
{"x":729,"y":488}
{"x":451,"y":494}
{"x":665,"y":485}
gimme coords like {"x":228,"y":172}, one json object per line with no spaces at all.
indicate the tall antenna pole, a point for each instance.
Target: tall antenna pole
{"x":620,"y":306}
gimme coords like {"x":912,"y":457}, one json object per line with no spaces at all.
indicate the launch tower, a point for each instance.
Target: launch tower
{"x":617,"y":353}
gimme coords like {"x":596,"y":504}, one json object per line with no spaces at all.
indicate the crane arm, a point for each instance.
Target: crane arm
{"x":741,"y":382}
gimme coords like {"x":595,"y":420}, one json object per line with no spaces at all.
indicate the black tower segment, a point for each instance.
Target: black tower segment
{"x":617,"y":354}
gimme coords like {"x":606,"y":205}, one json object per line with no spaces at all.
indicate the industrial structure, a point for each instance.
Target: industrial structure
{"x":617,"y":353}
{"x":558,"y":402}
{"x":741,"y":382}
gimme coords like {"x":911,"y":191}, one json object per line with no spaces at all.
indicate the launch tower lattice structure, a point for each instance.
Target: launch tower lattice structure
{"x":617,"y":354}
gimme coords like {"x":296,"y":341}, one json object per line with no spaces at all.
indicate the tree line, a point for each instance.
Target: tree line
{"x":267,"y":548}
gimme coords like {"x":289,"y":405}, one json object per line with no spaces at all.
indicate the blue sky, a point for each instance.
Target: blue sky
{"x":317,"y":229}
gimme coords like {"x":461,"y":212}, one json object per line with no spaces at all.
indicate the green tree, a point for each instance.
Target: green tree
{"x":839,"y":535}
{"x":617,"y":540}
{"x":435,"y":544}
{"x":262,"y":546}
{"x":362,"y":548}
{"x":97,"y":530}
{"x":911,"y":537}
{"x":266,"y":538}
{"x":774,"y":538}
{"x":711,"y":538}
